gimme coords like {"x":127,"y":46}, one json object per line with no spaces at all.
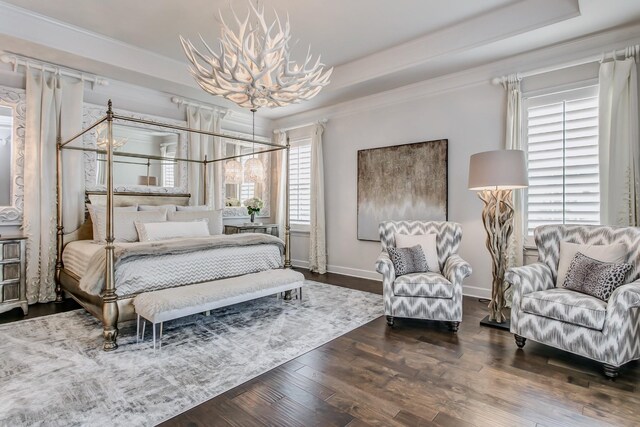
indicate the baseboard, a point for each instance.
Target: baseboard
{"x":355,"y":272}
{"x":476,"y":292}
{"x":300,"y":263}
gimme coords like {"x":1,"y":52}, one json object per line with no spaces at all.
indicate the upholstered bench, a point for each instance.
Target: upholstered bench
{"x":169,"y":304}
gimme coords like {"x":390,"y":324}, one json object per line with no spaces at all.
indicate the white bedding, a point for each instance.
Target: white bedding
{"x":165,"y":271}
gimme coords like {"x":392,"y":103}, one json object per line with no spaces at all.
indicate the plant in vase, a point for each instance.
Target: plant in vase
{"x":253,"y":206}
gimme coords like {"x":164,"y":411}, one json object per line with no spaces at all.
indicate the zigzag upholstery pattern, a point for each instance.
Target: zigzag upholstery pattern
{"x":618,"y":340}
{"x":431,"y":285}
{"x":568,"y":306}
{"x":454,"y":268}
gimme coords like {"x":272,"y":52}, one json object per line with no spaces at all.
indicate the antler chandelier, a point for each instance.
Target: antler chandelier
{"x":253,"y":68}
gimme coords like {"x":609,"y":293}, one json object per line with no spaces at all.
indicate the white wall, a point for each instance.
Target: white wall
{"x":472,"y":119}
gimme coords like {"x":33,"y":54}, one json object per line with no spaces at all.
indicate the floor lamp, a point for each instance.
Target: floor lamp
{"x":495,"y":174}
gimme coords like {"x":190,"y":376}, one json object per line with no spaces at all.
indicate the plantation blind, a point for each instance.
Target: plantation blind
{"x":300,"y":182}
{"x":562,"y":150}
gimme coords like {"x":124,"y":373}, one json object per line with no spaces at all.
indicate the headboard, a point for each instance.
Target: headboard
{"x":99,"y":198}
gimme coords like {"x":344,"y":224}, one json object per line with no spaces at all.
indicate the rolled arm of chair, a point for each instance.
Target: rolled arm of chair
{"x":456,"y":269}
{"x":622,"y":300}
{"x":384,"y":266}
{"x":529,"y":278}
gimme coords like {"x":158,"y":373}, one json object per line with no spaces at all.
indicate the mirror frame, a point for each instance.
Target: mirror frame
{"x":92,"y":113}
{"x":16,"y":100}
{"x":241,"y":211}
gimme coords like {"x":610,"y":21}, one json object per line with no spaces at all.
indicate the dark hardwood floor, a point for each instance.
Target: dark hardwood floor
{"x":420,"y":374}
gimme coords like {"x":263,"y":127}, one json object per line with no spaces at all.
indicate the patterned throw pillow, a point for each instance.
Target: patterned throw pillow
{"x":596,"y":278}
{"x":408,"y":260}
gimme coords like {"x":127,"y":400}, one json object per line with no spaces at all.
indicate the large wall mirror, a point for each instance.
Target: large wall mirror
{"x":136,"y":174}
{"x":236,"y":194}
{"x":12,"y":133}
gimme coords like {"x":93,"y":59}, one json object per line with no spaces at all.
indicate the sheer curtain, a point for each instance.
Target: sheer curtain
{"x":54,"y":103}
{"x":317,"y":236}
{"x":619,"y":142}
{"x":513,"y":141}
{"x":199,"y":146}
{"x":280,"y":157}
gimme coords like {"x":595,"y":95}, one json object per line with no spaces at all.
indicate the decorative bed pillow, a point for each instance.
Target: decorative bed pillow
{"x":98,"y":215}
{"x":408,"y":260}
{"x":124,"y":229}
{"x":596,"y":278}
{"x":167,"y":208}
{"x":193,"y":208}
{"x":428,"y":243}
{"x":214,"y":218}
{"x":153,"y":231}
{"x":606,"y":253}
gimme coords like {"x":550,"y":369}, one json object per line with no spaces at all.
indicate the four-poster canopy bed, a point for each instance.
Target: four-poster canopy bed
{"x":109,"y":305}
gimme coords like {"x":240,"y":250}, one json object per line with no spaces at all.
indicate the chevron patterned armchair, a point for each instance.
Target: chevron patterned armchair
{"x":427,"y":295}
{"x":608,"y":332}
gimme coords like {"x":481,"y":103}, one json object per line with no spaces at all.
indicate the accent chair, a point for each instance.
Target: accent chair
{"x":427,"y":295}
{"x":543,"y":311}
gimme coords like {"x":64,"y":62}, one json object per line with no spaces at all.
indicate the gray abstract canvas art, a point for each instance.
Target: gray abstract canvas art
{"x":401,"y":182}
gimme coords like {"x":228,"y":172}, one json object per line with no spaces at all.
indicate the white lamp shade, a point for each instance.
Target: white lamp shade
{"x":498,"y":170}
{"x":253,"y":170}
{"x":233,"y":172}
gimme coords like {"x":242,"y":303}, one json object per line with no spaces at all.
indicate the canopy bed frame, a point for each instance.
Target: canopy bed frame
{"x":109,"y":307}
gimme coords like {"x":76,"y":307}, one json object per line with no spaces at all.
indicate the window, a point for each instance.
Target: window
{"x":168,"y":167}
{"x":300,"y":182}
{"x":562,"y":150}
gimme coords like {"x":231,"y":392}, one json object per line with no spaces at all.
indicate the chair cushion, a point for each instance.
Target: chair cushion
{"x":568,"y":306}
{"x":426,"y":285}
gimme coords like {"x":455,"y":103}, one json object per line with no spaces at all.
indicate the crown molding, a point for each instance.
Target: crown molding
{"x":481,"y":75}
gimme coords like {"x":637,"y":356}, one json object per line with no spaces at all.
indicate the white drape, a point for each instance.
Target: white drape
{"x":619,"y":143}
{"x":281,"y":171}
{"x":199,"y":146}
{"x":513,"y":141}
{"x":53,"y":104}
{"x":317,"y":236}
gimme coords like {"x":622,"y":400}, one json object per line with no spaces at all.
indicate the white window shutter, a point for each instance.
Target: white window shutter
{"x":562,"y":149}
{"x":300,"y":183}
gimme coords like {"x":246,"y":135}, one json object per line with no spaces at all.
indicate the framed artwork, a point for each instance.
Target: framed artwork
{"x":402,"y":182}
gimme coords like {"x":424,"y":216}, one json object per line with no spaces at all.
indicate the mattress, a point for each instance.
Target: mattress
{"x":166,"y":271}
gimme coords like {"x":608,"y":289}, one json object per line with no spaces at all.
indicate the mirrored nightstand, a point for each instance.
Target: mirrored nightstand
{"x":13,"y":291}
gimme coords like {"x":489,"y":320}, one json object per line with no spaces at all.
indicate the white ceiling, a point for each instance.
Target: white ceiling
{"x":375,"y":45}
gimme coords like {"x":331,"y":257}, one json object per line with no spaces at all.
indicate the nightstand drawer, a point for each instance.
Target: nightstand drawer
{"x":9,"y":272}
{"x":10,"y":251}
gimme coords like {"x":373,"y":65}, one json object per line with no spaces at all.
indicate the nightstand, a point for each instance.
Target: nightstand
{"x":13,"y":266}
{"x":252,"y":228}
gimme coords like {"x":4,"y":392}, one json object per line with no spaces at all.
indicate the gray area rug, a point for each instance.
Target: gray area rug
{"x":53,"y":372}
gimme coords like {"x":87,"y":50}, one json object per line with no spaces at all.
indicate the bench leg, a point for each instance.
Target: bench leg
{"x":138,"y":329}
{"x":153,"y":325}
{"x":160,"y":344}
{"x":144,"y":326}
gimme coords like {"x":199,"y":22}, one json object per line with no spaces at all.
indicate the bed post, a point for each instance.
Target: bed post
{"x":60,"y":228}
{"x":109,"y":300}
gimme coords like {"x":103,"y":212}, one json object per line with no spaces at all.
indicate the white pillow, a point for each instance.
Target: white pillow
{"x":98,"y":215}
{"x":168,"y":208}
{"x":193,"y":208}
{"x":124,"y":229}
{"x":213,"y":217}
{"x":615,"y":253}
{"x":428,"y":242}
{"x":153,"y":231}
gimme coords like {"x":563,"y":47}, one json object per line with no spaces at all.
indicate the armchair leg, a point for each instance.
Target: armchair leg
{"x":520,"y":341}
{"x":390,"y":320}
{"x":610,"y":371}
{"x":453,"y":326}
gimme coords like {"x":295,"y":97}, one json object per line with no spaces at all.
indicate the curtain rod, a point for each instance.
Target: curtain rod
{"x":18,"y":60}
{"x":626,"y":52}
{"x":183,"y":101}
{"x":321,"y":122}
